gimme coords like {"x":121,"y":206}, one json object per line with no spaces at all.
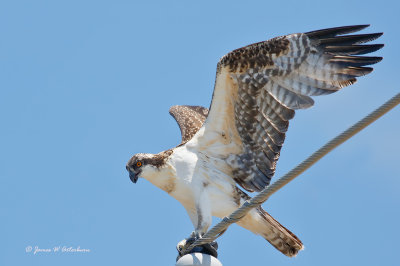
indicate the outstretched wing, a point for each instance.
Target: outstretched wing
{"x":259,"y":86}
{"x":189,"y":118}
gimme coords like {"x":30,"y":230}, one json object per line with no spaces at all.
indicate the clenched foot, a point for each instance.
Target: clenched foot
{"x":210,"y":248}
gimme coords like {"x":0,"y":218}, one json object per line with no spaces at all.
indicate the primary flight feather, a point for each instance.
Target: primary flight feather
{"x":238,"y":141}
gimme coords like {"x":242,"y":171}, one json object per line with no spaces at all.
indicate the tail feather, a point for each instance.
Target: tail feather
{"x":261,"y":223}
{"x":282,"y":238}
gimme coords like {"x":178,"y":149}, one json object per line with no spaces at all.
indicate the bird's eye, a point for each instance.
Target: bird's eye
{"x":138,"y":164}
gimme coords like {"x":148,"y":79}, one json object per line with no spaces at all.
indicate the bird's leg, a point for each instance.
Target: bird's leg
{"x":201,"y":218}
{"x":200,"y":214}
{"x":204,"y":217}
{"x":193,"y":217}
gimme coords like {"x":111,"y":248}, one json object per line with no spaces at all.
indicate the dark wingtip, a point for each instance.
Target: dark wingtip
{"x":355,"y":28}
{"x":332,"y":32}
{"x":379,"y":34}
{"x":349,"y":39}
{"x":362,"y":26}
{"x":378,"y":59}
{"x":353,"y":49}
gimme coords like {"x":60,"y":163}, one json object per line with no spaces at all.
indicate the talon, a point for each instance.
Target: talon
{"x":210,"y":248}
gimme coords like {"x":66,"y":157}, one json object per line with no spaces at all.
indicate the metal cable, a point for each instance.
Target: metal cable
{"x":260,"y":198}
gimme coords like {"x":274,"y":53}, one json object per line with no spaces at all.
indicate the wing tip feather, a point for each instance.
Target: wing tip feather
{"x":335,"y":31}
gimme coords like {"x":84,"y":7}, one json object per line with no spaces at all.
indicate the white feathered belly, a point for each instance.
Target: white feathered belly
{"x":196,"y":173}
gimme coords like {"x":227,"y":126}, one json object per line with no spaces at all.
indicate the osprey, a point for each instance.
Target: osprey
{"x":237,"y":143}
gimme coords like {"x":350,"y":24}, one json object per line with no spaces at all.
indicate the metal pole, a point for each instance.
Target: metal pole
{"x":198,"y":259}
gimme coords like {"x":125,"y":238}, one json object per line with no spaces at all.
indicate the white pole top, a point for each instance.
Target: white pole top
{"x":198,"y":259}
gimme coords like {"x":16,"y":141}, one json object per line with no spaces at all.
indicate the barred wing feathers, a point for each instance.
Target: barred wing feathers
{"x":259,"y":87}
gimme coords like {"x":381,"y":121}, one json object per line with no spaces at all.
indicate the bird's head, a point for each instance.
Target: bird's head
{"x":137,"y":165}
{"x":145,"y":165}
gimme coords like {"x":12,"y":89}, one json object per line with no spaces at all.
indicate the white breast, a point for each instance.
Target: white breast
{"x":198,"y":173}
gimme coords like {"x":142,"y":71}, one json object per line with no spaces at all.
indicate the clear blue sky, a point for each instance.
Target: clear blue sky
{"x":86,"y":84}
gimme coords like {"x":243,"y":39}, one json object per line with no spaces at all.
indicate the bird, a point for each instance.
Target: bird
{"x":233,"y":147}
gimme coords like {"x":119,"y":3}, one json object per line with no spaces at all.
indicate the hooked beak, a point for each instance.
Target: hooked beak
{"x":133,"y":177}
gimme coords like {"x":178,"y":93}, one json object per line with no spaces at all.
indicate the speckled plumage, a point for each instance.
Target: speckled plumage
{"x":189,"y":119}
{"x":272,"y":79}
{"x":238,"y":141}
